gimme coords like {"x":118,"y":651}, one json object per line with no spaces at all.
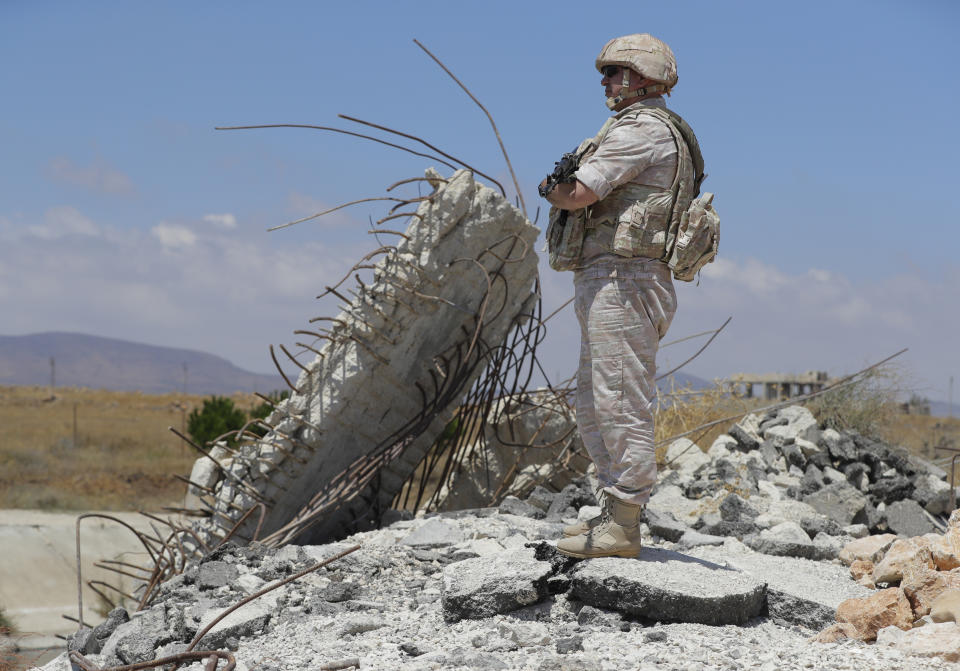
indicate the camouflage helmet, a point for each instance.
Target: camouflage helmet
{"x":642,"y":53}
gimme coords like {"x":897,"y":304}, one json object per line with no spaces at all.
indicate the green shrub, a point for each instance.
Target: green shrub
{"x":218,"y":416}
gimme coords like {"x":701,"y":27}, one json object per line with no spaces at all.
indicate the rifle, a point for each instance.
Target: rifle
{"x":562,"y":173}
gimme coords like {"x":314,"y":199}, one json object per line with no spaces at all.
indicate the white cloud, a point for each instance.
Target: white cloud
{"x":63,"y":221}
{"x":226,"y":292}
{"x":173,"y":237}
{"x":815,"y":320}
{"x":98,"y":176}
{"x":234,"y":291}
{"x":226,"y":221}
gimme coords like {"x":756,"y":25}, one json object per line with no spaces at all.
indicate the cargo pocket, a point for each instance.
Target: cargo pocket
{"x":642,"y":230}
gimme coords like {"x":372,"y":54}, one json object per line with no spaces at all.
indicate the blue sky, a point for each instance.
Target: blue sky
{"x":828,"y":129}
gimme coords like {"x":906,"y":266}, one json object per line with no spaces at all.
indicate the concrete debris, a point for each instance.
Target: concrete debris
{"x":669,"y":586}
{"x":940,"y":641}
{"x":483,"y":588}
{"x":786,"y":539}
{"x":486,"y":586}
{"x":503,"y":465}
{"x":903,"y":555}
{"x":435,"y":533}
{"x":908,"y":518}
{"x":946,"y":607}
{"x":402,"y":349}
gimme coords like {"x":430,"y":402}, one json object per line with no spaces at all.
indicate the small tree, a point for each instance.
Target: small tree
{"x":218,"y":416}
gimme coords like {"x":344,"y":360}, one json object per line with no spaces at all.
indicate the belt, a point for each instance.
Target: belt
{"x":637,"y":268}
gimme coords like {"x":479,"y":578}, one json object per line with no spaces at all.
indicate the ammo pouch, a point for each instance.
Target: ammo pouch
{"x":639,"y":216}
{"x":672,"y":225}
{"x":565,"y":233}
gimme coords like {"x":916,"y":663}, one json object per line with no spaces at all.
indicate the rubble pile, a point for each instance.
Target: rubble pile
{"x":484,"y":589}
{"x":741,"y":575}
{"x":786,"y":487}
{"x":917,"y":601}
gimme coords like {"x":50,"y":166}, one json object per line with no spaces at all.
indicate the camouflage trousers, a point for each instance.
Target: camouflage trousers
{"x":624,"y":309}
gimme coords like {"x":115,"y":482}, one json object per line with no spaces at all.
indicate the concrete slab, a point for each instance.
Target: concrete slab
{"x":799,"y":591}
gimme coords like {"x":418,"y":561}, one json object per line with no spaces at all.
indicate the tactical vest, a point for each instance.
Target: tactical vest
{"x":634,"y":219}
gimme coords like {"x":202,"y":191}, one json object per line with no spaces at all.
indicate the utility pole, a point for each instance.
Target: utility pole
{"x":950,"y":399}
{"x":183,"y":408}
{"x":53,"y":375}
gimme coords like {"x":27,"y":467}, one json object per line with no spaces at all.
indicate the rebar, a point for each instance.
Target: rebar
{"x":426,"y":144}
{"x":345,"y":132}
{"x":203,"y":632}
{"x":273,"y":355}
{"x":516,"y":184}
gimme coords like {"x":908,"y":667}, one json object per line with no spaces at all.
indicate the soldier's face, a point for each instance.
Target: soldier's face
{"x":612,"y":80}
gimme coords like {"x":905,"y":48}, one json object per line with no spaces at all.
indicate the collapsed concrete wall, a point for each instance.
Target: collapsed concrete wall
{"x":528,"y":440}
{"x":396,"y":363}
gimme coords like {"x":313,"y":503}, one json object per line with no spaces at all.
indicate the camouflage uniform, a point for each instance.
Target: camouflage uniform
{"x":624,"y":306}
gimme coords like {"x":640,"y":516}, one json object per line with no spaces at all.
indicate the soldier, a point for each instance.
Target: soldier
{"x":610,"y":225}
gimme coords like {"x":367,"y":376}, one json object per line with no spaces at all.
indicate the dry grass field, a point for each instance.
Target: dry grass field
{"x":89,"y":449}
{"x":120,"y":455}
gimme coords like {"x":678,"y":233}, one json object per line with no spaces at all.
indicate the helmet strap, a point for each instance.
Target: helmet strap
{"x":626,"y":95}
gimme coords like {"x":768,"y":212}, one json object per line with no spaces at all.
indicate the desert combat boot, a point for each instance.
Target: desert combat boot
{"x":617,"y":535}
{"x":588,"y":525}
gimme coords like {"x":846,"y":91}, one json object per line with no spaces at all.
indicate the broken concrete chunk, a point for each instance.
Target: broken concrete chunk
{"x":486,"y":586}
{"x":134,"y":641}
{"x":840,"y":502}
{"x":902,"y":555}
{"x":747,"y":437}
{"x":665,"y":525}
{"x":786,"y":539}
{"x":868,"y":548}
{"x":599,"y":617}
{"x":685,"y":456}
{"x":722,"y":445}
{"x":908,"y":518}
{"x":933,"y":640}
{"x":692,"y":539}
{"x":248,"y":620}
{"x":435,"y":533}
{"x":799,"y":591}
{"x":213,"y":574}
{"x":669,"y":586}
{"x":511,"y":505}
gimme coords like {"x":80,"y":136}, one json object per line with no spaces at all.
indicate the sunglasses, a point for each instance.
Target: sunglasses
{"x":610,"y":70}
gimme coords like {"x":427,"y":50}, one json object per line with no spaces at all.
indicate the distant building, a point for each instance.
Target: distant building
{"x":778,"y":386}
{"x":917,"y":405}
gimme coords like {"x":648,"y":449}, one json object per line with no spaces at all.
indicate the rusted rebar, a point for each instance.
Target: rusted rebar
{"x":516,"y":184}
{"x":273,"y":355}
{"x":345,"y":132}
{"x":212,"y":657}
{"x":203,"y":632}
{"x":425,"y":144}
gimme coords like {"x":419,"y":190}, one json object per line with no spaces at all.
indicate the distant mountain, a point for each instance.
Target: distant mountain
{"x":106,"y":363}
{"x":681,"y":380}
{"x":944,"y":409}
